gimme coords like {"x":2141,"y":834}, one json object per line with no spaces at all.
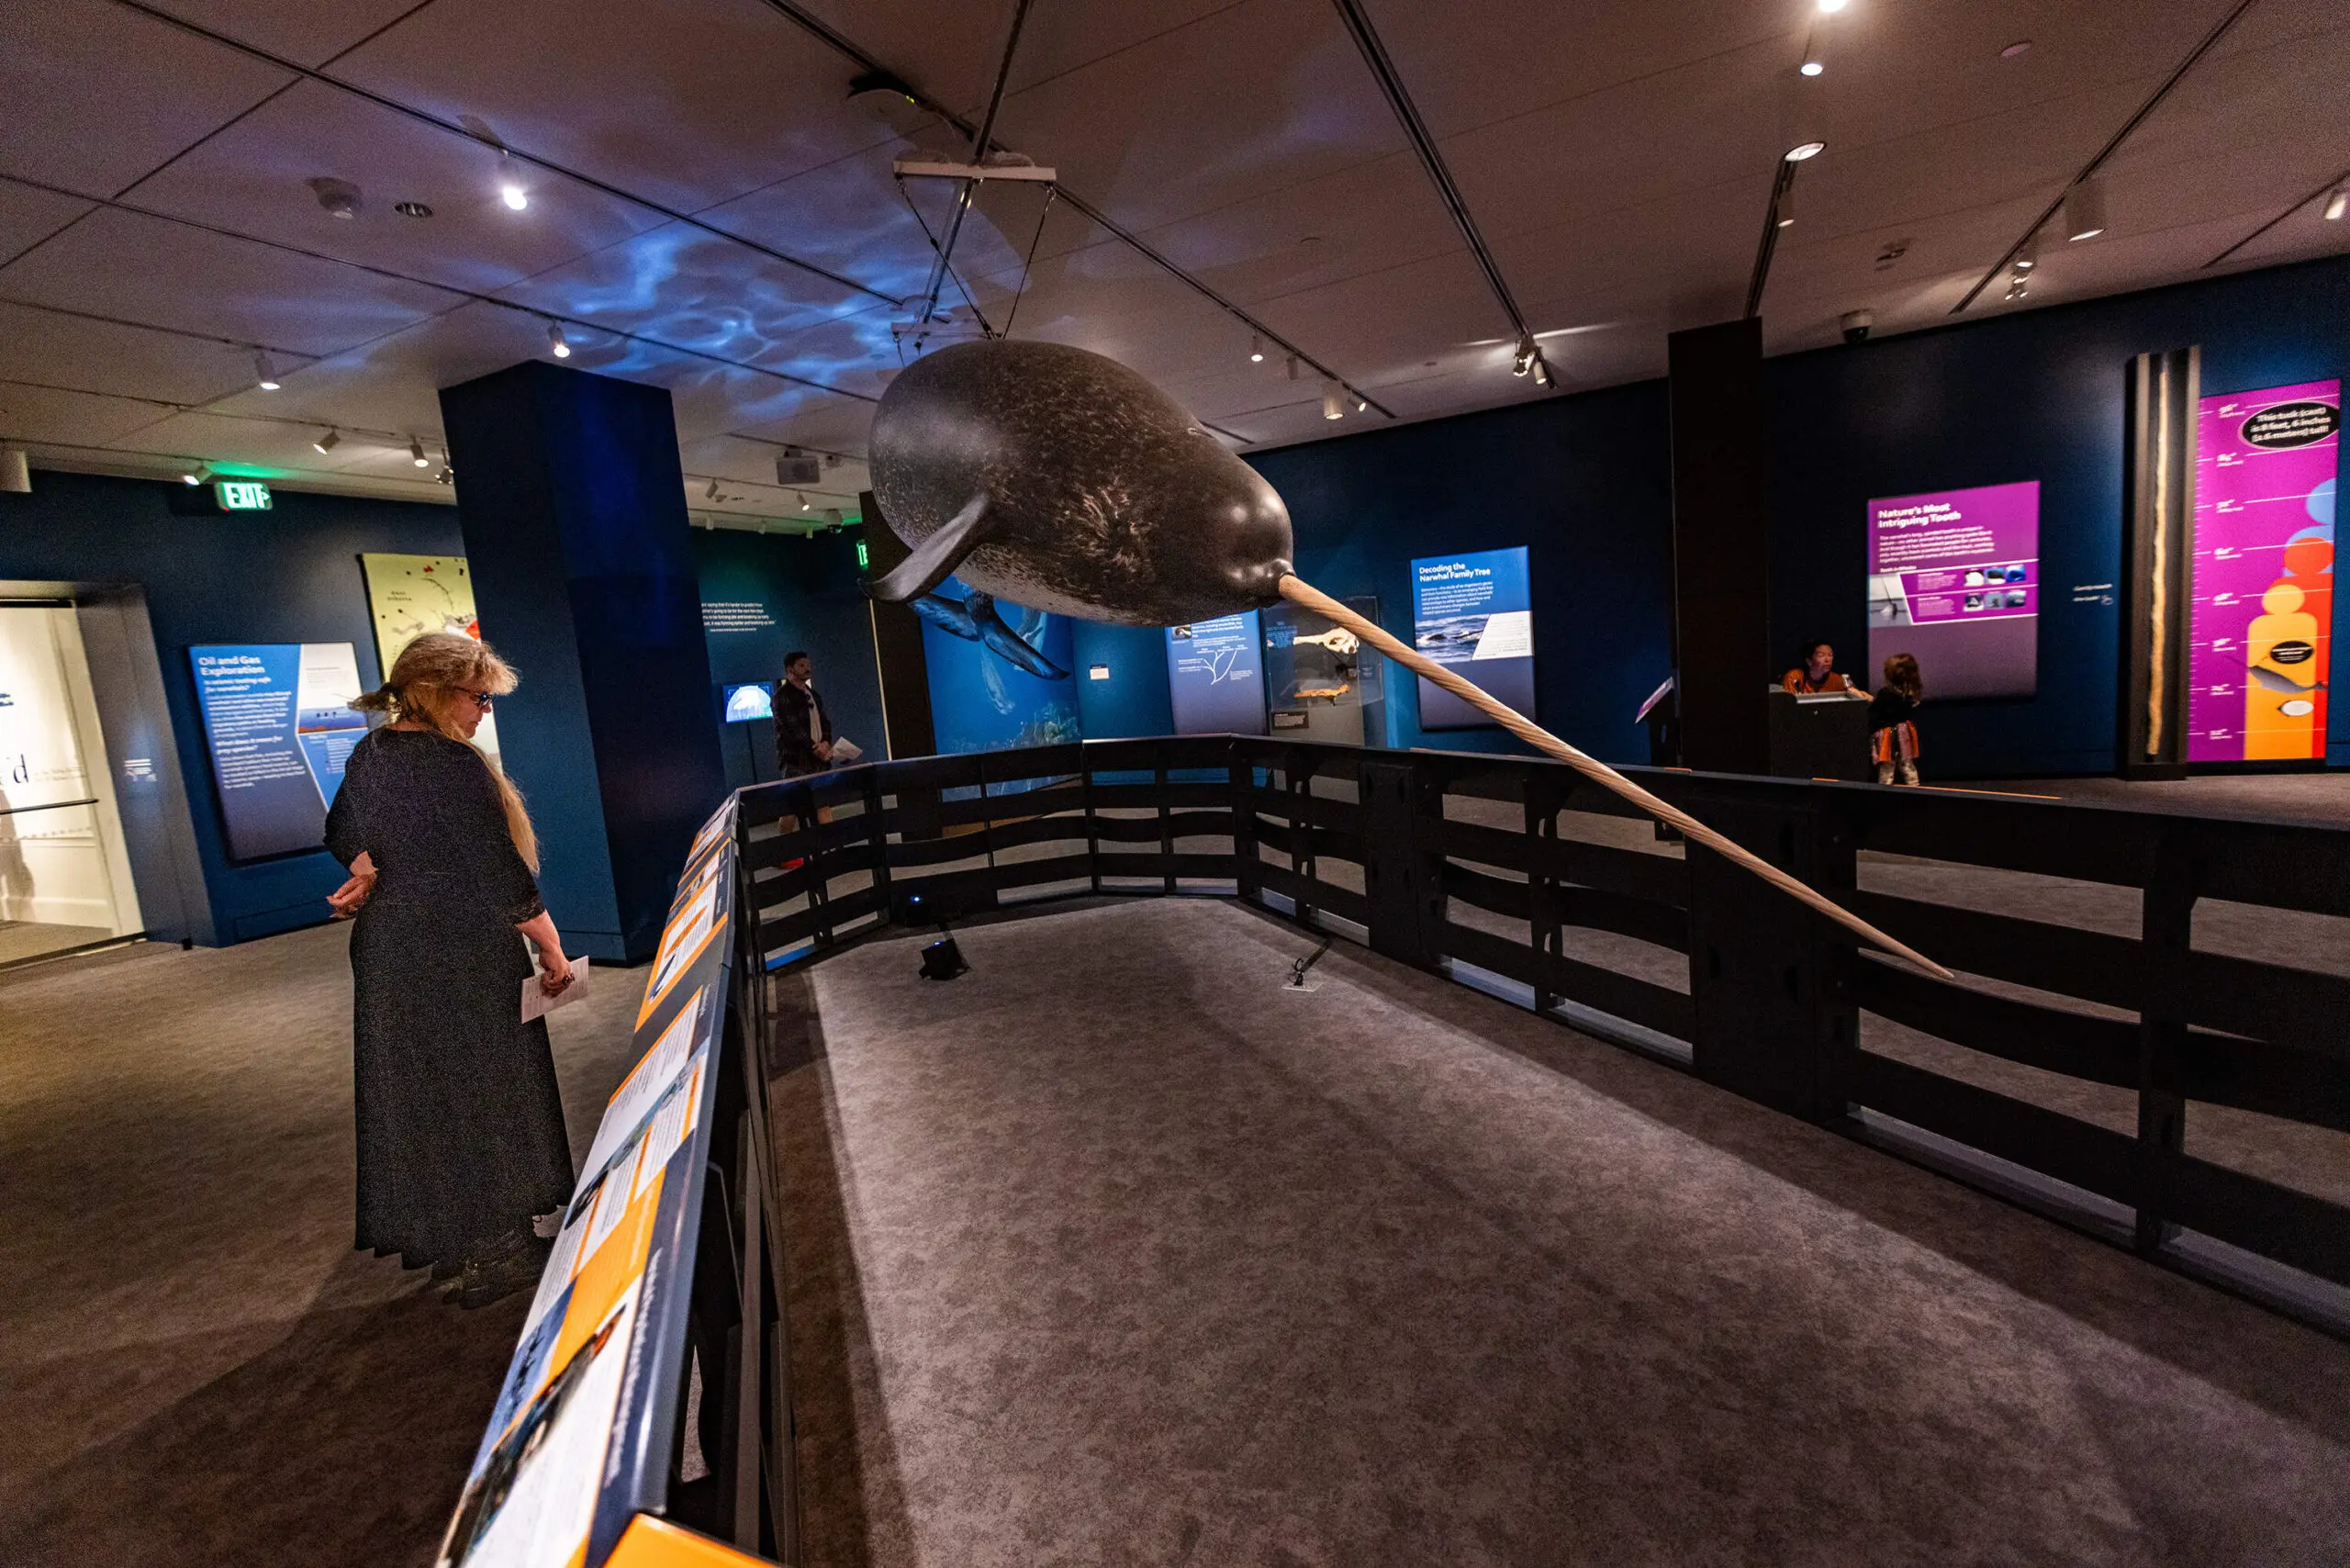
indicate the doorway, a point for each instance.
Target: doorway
{"x":65,"y":878}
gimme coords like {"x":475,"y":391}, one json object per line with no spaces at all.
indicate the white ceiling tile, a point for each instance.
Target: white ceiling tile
{"x":254,"y":178}
{"x":98,"y":95}
{"x":103,"y":357}
{"x":29,"y":215}
{"x":157,"y":272}
{"x":32,"y":413}
{"x":300,"y":30}
{"x":688,"y":102}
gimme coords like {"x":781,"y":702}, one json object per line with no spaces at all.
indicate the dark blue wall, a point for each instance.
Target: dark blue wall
{"x":289,"y":575}
{"x":810,"y":589}
{"x":1135,"y":699}
{"x":2037,"y":395}
{"x":1585,"y":482}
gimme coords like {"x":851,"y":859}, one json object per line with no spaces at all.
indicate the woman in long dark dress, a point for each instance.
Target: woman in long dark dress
{"x":460,"y":1135}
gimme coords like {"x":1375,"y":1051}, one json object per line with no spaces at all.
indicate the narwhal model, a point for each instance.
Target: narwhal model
{"x":1064,"y":481}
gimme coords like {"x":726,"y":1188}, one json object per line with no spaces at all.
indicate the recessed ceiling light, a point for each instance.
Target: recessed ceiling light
{"x":2017,"y":49}
{"x":1805,"y":149}
{"x":326,"y":442}
{"x":1813,"y":68}
{"x":415,"y":453}
{"x":514,"y":196}
{"x":412,"y":209}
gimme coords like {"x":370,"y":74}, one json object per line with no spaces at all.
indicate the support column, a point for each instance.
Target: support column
{"x":573,"y":512}
{"x":1721,"y":546}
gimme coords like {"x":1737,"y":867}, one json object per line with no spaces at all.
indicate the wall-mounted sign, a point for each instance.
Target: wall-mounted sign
{"x":1215,"y":676}
{"x":1954,"y":581}
{"x":242,"y":494}
{"x":411,"y":595}
{"x":1478,"y":610}
{"x":279,"y":723}
{"x":2261,"y":622}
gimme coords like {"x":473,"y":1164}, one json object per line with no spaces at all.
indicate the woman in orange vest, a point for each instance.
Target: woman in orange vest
{"x":1817,"y":673}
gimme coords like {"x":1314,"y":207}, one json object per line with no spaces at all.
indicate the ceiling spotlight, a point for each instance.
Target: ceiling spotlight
{"x":1812,"y":68}
{"x":1833,"y":6}
{"x":2085,"y":209}
{"x":264,"y":373}
{"x":1293,"y":367}
{"x":805,"y":504}
{"x":1255,"y":349}
{"x":447,"y":475}
{"x":515,"y":197}
{"x":415,"y":453}
{"x":2028,"y":257}
{"x":1783,"y":215}
{"x":2336,"y":204}
{"x":200,"y":474}
{"x":326,"y":442}
{"x":557,"y":344}
{"x":1363,"y":404}
{"x":1333,"y":406}
{"x":1523,"y":360}
{"x":1802,"y":150}
{"x":1541,"y":371}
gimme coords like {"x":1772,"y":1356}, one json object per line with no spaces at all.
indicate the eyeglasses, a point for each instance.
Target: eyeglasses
{"x":481,"y":699}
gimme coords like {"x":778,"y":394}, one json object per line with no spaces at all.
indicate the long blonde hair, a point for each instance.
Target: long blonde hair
{"x":431,"y":665}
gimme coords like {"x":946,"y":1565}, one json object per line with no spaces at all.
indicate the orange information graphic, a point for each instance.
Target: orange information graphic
{"x":656,"y":1543}
{"x":577,"y":1454}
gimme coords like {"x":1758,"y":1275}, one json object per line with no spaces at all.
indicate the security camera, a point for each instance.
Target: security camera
{"x":1856,"y":324}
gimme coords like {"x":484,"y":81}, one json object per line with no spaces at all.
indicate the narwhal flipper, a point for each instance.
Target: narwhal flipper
{"x":936,"y":559}
{"x":981,"y":609}
{"x":947,"y":614}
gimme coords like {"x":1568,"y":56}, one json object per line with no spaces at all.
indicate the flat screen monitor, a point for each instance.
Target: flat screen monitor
{"x":752,"y":700}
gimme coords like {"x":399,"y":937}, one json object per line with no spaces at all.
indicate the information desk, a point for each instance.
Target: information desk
{"x":1825,"y":737}
{"x":657,"y":1266}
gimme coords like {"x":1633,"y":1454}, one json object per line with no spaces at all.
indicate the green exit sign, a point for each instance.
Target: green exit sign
{"x":863,"y":561}
{"x":242,"y":494}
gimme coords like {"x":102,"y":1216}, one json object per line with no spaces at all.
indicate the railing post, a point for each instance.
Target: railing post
{"x":1300,"y":785}
{"x":877,"y":834}
{"x":2165,"y":936}
{"x":1399,"y":862}
{"x":1240,"y":773}
{"x":1542,"y":802}
{"x":1765,"y":976}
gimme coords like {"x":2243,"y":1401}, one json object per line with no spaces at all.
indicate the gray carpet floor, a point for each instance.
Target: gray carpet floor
{"x":1112,"y":1252}
{"x":195,"y":1366}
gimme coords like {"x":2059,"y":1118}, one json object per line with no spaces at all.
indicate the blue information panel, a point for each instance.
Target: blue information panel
{"x":1475,"y":611}
{"x":278,"y":724}
{"x":1216,"y":674}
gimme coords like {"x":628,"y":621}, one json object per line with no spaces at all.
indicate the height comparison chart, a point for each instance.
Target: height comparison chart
{"x":2262,"y":628}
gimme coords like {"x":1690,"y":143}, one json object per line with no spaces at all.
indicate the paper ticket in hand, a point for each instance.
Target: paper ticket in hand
{"x":537,"y":1003}
{"x":845,"y":749}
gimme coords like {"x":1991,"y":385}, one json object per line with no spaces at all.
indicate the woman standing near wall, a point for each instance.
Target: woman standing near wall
{"x":460,"y":1135}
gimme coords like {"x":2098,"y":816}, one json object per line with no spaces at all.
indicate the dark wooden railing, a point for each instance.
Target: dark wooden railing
{"x":1459,"y":864}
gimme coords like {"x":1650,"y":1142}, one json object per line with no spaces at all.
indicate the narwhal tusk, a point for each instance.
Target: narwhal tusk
{"x":1298,"y":591}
